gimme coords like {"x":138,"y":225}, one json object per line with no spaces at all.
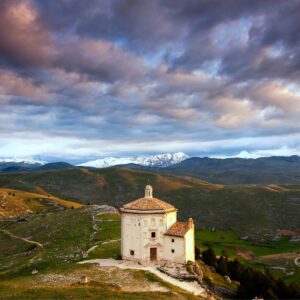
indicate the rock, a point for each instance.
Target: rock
{"x":197,"y":270}
{"x":177,"y":271}
{"x":84,"y":279}
{"x":227,"y":278}
{"x":34,"y":272}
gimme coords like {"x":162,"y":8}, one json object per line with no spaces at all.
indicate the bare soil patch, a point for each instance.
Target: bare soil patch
{"x":247,"y":254}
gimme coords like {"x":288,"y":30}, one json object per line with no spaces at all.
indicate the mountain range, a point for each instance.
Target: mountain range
{"x":159,"y":161}
{"x":264,"y":170}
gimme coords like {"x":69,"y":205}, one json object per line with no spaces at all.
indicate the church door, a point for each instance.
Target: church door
{"x":153,"y":254}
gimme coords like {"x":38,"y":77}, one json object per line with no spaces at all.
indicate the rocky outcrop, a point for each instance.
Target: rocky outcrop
{"x":177,"y":271}
{"x":101,"y":209}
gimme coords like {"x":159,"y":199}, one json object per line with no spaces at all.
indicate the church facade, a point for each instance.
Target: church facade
{"x":150,"y":232}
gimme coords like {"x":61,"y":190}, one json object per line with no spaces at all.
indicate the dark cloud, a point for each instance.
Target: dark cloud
{"x":177,"y":75}
{"x":24,"y":41}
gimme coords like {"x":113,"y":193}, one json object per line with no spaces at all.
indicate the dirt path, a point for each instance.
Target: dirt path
{"x":23,"y":239}
{"x":192,"y":287}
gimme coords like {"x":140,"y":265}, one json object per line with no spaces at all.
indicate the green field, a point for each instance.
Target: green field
{"x":280,"y":253}
{"x":107,"y":238}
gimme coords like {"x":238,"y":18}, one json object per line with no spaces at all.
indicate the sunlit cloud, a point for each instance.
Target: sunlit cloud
{"x":81,"y":80}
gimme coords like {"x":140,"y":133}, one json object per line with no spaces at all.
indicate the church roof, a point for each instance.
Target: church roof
{"x":178,"y":229}
{"x":148,"y":203}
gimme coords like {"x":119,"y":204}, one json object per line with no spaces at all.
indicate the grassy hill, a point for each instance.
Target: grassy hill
{"x":252,"y":210}
{"x":264,"y":170}
{"x":53,"y":243}
{"x":14,"y":203}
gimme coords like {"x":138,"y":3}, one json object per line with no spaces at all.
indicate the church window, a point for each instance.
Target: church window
{"x":173,"y":251}
{"x":153,"y":234}
{"x":172,"y":240}
{"x":132,"y":252}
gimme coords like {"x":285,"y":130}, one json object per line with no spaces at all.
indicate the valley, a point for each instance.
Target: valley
{"x":256,"y":211}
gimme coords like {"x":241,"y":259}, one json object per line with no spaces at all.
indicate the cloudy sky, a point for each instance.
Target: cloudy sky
{"x":86,"y":79}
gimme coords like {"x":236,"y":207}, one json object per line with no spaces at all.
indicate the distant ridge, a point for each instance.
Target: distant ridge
{"x":55,"y":166}
{"x":28,"y":161}
{"x":31,"y":167}
{"x":262,"y":170}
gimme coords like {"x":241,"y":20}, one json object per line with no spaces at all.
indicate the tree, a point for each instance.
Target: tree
{"x":294,"y":291}
{"x":235,"y":269}
{"x":222,"y":268}
{"x":281,"y":289}
{"x":209,"y":257}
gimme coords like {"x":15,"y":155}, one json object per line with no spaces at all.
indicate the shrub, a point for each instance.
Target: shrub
{"x":209,"y":257}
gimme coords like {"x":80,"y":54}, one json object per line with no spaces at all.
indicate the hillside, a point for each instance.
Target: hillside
{"x":14,"y":203}
{"x":38,"y":258}
{"x":257,"y":211}
{"x":20,"y":166}
{"x":52,"y":244}
{"x":264,"y":170}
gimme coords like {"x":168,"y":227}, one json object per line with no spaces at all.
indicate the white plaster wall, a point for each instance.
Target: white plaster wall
{"x":153,"y":223}
{"x":136,"y":234}
{"x":190,"y":245}
{"x":179,"y":249}
{"x":171,"y":218}
{"x":131,"y":236}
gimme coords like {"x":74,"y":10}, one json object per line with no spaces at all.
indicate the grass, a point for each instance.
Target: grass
{"x":106,"y":251}
{"x":108,"y":237}
{"x":90,"y":293}
{"x":214,"y":279}
{"x":64,"y":235}
{"x":257,"y":255}
{"x":14,"y":203}
{"x":229,"y":241}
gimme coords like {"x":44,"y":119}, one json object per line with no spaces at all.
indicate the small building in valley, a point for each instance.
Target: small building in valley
{"x":150,"y":231}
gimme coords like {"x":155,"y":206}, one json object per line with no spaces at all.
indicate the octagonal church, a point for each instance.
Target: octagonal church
{"x":150,"y":231}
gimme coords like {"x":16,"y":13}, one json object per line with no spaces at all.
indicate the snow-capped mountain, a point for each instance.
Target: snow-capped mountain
{"x":161,"y":160}
{"x":29,"y":161}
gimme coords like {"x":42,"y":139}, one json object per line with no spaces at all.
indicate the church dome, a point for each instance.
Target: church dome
{"x":148,"y":204}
